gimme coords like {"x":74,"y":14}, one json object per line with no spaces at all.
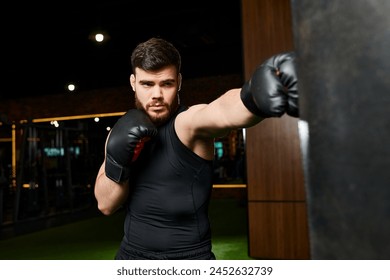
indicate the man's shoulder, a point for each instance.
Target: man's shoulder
{"x":194,"y":108}
{"x":190,"y":117}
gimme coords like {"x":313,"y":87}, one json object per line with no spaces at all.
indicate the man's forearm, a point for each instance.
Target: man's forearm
{"x":109,"y":194}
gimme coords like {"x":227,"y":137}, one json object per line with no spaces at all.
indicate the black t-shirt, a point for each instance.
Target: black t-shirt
{"x":167,"y":209}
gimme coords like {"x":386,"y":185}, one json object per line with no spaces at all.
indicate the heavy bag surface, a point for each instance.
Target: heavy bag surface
{"x":343,"y":53}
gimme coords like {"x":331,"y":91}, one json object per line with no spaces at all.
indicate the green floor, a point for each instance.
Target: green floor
{"x":98,"y":238}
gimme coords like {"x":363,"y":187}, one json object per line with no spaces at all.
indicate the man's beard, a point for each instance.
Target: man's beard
{"x":159,"y":119}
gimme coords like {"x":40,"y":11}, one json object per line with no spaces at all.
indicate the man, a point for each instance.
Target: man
{"x":159,"y":157}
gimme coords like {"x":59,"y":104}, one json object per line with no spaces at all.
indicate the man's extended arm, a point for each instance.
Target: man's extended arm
{"x":271,"y":92}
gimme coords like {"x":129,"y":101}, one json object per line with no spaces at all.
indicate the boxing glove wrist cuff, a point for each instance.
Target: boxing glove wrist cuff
{"x":248,"y":101}
{"x":116,"y":172}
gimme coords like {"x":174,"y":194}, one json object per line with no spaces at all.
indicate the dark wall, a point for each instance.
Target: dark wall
{"x":199,"y":90}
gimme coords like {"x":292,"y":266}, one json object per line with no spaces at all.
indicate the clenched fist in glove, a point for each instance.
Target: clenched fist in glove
{"x":125,"y":143}
{"x":273,"y":87}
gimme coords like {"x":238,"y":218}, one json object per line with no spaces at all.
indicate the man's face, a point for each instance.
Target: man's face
{"x":156,"y":92}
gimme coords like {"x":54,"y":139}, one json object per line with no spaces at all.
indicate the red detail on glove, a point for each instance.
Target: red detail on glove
{"x":139,"y":147}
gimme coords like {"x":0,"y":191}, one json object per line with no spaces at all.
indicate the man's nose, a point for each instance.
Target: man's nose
{"x":157,"y":92}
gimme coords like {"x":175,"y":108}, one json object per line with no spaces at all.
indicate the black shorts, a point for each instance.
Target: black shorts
{"x":203,"y":253}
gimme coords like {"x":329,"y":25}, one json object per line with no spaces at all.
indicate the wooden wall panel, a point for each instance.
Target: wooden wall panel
{"x":275,"y":233}
{"x":266,"y":30}
{"x":276,"y":196}
{"x":275,"y":167}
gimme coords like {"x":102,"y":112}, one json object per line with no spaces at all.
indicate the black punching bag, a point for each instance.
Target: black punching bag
{"x":343,"y":50}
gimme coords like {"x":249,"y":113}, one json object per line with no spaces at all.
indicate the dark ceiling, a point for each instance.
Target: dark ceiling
{"x":46,"y":46}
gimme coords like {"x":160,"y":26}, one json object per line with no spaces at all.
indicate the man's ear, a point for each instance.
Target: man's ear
{"x":179,"y":82}
{"x":132,"y":81}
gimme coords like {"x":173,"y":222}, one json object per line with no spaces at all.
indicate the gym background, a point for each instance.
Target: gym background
{"x":48,"y":170}
{"x":49,"y":164}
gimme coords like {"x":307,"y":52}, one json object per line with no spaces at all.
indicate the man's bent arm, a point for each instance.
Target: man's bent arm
{"x":109,"y":194}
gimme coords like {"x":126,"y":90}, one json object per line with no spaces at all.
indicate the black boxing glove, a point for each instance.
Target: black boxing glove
{"x":273,"y":87}
{"x":125,"y":142}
